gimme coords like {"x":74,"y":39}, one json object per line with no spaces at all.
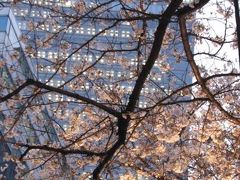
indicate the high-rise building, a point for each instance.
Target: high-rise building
{"x":16,"y":123}
{"x":97,"y":50}
{"x":70,"y":49}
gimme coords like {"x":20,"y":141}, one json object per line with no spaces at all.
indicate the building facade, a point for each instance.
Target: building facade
{"x":97,"y":50}
{"x":63,"y":48}
{"x":16,"y":123}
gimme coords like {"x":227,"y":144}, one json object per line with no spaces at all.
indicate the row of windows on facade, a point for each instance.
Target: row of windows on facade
{"x":42,"y":14}
{"x":64,"y":3}
{"x":98,"y":73}
{"x":125,"y":88}
{"x":82,"y":30}
{"x":141,"y":104}
{"x":51,"y":55}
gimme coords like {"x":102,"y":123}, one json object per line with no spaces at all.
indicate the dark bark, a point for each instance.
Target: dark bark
{"x":157,"y":43}
{"x":63,"y":92}
{"x":237,"y":18}
{"x":122,"y":122}
{"x":201,"y":81}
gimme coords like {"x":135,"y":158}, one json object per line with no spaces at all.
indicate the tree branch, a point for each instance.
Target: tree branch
{"x":15,"y":92}
{"x":57,"y":150}
{"x":187,"y":9}
{"x":197,"y":74}
{"x":157,"y":43}
{"x":237,"y":19}
{"x":122,"y":122}
{"x":63,"y":92}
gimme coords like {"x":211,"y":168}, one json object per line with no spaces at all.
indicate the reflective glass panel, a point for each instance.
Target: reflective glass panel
{"x":3,"y":23}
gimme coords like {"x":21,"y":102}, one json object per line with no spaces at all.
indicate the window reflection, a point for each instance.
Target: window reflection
{"x":3,"y":23}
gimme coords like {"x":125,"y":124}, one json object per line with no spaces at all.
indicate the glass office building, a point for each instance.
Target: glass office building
{"x":63,"y":47}
{"x":17,"y":123}
{"x":92,"y":49}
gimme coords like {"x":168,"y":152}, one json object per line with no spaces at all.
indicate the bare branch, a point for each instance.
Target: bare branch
{"x":159,"y":34}
{"x":123,"y":123}
{"x":58,"y":150}
{"x":63,"y":92}
{"x":200,"y":80}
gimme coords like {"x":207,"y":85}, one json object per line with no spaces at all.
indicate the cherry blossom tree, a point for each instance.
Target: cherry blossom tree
{"x":182,"y":130}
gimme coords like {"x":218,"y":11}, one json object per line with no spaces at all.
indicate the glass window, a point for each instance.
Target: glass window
{"x":13,"y":38}
{"x":123,"y":33}
{"x":82,"y":30}
{"x":3,"y":23}
{"x":2,"y":36}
